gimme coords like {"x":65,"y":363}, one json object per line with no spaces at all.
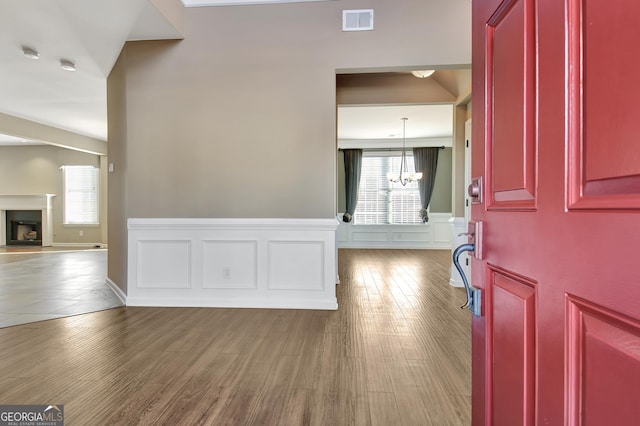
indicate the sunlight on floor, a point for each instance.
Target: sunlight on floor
{"x":52,"y":284}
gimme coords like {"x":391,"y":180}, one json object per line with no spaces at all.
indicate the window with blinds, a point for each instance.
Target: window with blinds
{"x":80,"y":195}
{"x":384,"y":202}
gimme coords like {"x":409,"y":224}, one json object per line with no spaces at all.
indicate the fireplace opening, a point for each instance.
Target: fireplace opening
{"x":24,"y":227}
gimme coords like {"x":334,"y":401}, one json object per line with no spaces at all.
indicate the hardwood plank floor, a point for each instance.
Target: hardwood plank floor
{"x":396,"y":352}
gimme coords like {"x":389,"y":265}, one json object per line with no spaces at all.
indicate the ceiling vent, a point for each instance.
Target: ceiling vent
{"x":357,"y":20}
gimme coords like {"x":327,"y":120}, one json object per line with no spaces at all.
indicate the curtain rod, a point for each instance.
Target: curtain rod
{"x":393,"y":149}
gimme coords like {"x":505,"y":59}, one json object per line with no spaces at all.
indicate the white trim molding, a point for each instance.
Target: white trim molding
{"x":117,"y":291}
{"x":235,"y":263}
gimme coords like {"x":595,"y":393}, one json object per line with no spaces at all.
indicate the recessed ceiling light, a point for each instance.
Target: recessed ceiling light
{"x":423,"y":73}
{"x":30,"y":53}
{"x":67,"y":65}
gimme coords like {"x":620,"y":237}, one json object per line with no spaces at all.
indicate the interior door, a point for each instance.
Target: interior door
{"x":555,"y":116}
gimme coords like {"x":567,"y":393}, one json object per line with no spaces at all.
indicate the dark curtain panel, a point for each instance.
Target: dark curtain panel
{"x":426,"y":161}
{"x":352,"y":168}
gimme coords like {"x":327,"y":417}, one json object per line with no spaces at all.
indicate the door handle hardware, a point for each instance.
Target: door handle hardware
{"x":474,"y":295}
{"x":475,"y":190}
{"x":474,"y":236}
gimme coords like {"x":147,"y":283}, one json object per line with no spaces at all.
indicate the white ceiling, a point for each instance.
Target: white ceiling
{"x":385,"y":122}
{"x":91,"y":33}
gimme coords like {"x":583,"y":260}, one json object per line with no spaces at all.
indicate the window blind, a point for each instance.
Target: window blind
{"x":80,"y":195}
{"x":384,"y":202}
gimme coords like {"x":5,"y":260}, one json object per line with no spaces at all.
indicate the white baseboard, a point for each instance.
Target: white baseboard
{"x":117,"y":291}
{"x":80,"y":245}
{"x":235,"y":302}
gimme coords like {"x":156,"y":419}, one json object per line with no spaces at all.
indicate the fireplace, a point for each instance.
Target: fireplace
{"x":36,"y":215}
{"x":24,"y":227}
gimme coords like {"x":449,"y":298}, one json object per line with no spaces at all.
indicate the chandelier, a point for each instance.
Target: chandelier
{"x":405,"y":175}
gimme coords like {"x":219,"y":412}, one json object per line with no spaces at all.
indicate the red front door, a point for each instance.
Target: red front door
{"x":556,"y":107}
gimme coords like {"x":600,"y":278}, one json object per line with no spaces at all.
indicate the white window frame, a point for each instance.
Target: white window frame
{"x":87,"y":192}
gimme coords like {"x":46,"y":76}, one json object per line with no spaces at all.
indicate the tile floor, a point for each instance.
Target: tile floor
{"x":41,"y":285}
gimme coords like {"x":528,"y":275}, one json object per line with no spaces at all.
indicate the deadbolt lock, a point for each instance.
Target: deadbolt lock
{"x":475,"y":190}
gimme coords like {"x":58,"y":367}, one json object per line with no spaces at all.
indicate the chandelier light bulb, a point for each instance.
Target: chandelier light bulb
{"x":405,"y":176}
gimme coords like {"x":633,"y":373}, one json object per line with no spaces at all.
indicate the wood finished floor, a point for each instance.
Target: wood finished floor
{"x":397,"y":352}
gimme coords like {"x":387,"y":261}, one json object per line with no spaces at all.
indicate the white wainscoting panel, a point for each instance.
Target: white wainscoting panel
{"x":366,"y":234}
{"x":442,"y":232}
{"x":411,"y":236}
{"x":435,"y":234}
{"x":164,"y":264}
{"x":295,"y":265}
{"x":230,"y":264}
{"x":240,"y":263}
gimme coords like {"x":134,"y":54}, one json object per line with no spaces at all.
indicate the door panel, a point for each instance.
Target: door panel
{"x":513,"y":332}
{"x":605,"y":153}
{"x":511,"y":130}
{"x":554,"y":102}
{"x":609,"y":95}
{"x":604,"y":365}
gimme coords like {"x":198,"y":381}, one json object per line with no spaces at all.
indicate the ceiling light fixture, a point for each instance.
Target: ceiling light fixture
{"x":67,"y":65}
{"x":423,"y":73}
{"x":405,"y":175}
{"x":30,"y":53}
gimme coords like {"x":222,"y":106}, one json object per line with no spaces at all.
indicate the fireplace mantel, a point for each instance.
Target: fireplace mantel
{"x":28,"y":202}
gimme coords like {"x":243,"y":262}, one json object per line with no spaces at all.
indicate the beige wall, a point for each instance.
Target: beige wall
{"x":441,"y":196}
{"x":35,"y":170}
{"x":117,"y":217}
{"x":458,"y":189}
{"x":238,"y":119}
